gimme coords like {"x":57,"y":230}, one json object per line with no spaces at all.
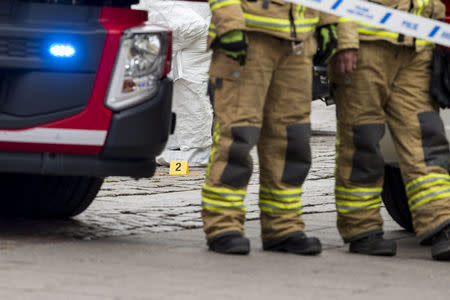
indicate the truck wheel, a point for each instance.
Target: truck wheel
{"x":394,"y":198}
{"x":45,"y":196}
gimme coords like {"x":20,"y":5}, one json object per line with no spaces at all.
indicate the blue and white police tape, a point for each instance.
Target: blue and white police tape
{"x":384,"y":17}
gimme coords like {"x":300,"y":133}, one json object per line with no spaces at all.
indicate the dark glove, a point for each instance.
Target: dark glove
{"x":327,"y":44}
{"x":234,"y":44}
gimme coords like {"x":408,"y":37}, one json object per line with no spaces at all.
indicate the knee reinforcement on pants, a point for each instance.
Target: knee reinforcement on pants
{"x":434,"y":141}
{"x":368,"y":163}
{"x":298,"y":154}
{"x":239,"y":167}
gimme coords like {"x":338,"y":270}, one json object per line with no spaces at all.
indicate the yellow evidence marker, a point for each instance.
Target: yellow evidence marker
{"x":179,"y":168}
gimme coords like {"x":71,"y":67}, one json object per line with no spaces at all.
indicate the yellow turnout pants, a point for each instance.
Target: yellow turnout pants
{"x":390,"y":86}
{"x":265,"y":103}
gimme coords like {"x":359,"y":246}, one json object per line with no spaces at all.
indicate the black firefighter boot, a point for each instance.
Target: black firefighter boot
{"x":440,"y":247}
{"x":295,"y":242}
{"x":231,"y":242}
{"x":374,"y":244}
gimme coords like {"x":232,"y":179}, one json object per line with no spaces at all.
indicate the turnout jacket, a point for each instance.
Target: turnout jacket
{"x":280,"y":19}
{"x":350,"y":32}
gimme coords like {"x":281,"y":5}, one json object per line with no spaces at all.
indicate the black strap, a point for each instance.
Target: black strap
{"x":291,"y":19}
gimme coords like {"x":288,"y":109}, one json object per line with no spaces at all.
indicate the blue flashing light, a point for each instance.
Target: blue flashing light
{"x":62,"y":50}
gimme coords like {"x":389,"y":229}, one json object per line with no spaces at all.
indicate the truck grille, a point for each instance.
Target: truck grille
{"x":37,"y":87}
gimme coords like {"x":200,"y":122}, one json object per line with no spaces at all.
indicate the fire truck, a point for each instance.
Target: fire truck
{"x":83,"y":95}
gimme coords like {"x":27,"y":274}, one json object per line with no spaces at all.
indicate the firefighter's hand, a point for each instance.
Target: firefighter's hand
{"x":327,"y":44}
{"x":344,"y":62}
{"x":234,"y":44}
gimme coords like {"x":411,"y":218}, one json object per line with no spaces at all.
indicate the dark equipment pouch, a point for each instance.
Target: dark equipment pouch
{"x":440,"y":76}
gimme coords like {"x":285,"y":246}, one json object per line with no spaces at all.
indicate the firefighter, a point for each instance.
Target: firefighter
{"x":261,"y":73}
{"x":382,"y":78}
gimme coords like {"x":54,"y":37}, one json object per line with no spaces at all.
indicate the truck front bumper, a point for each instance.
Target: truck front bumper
{"x":135,"y":137}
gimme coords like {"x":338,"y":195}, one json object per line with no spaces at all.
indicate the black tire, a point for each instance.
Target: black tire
{"x":394,"y":198}
{"x":45,"y":196}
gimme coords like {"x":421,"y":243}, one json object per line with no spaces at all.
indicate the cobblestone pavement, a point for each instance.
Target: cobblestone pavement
{"x":167,"y":203}
{"x":126,"y":206}
{"x":323,"y":118}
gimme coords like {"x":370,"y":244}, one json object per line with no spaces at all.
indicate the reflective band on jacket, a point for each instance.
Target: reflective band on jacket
{"x":344,"y":19}
{"x":300,"y":11}
{"x":374,"y":30}
{"x":222,"y":199}
{"x":353,"y":200}
{"x":427,"y":188}
{"x":423,"y":42}
{"x":276,"y":24}
{"x":215,"y":4}
{"x":280,"y":201}
{"x":422,"y":5}
{"x":212,"y":30}
{"x":365,"y":28}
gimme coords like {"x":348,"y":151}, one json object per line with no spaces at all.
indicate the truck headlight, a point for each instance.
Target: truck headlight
{"x":139,"y":67}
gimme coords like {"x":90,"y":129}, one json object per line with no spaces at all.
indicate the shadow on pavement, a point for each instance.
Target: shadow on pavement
{"x":49,"y":228}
